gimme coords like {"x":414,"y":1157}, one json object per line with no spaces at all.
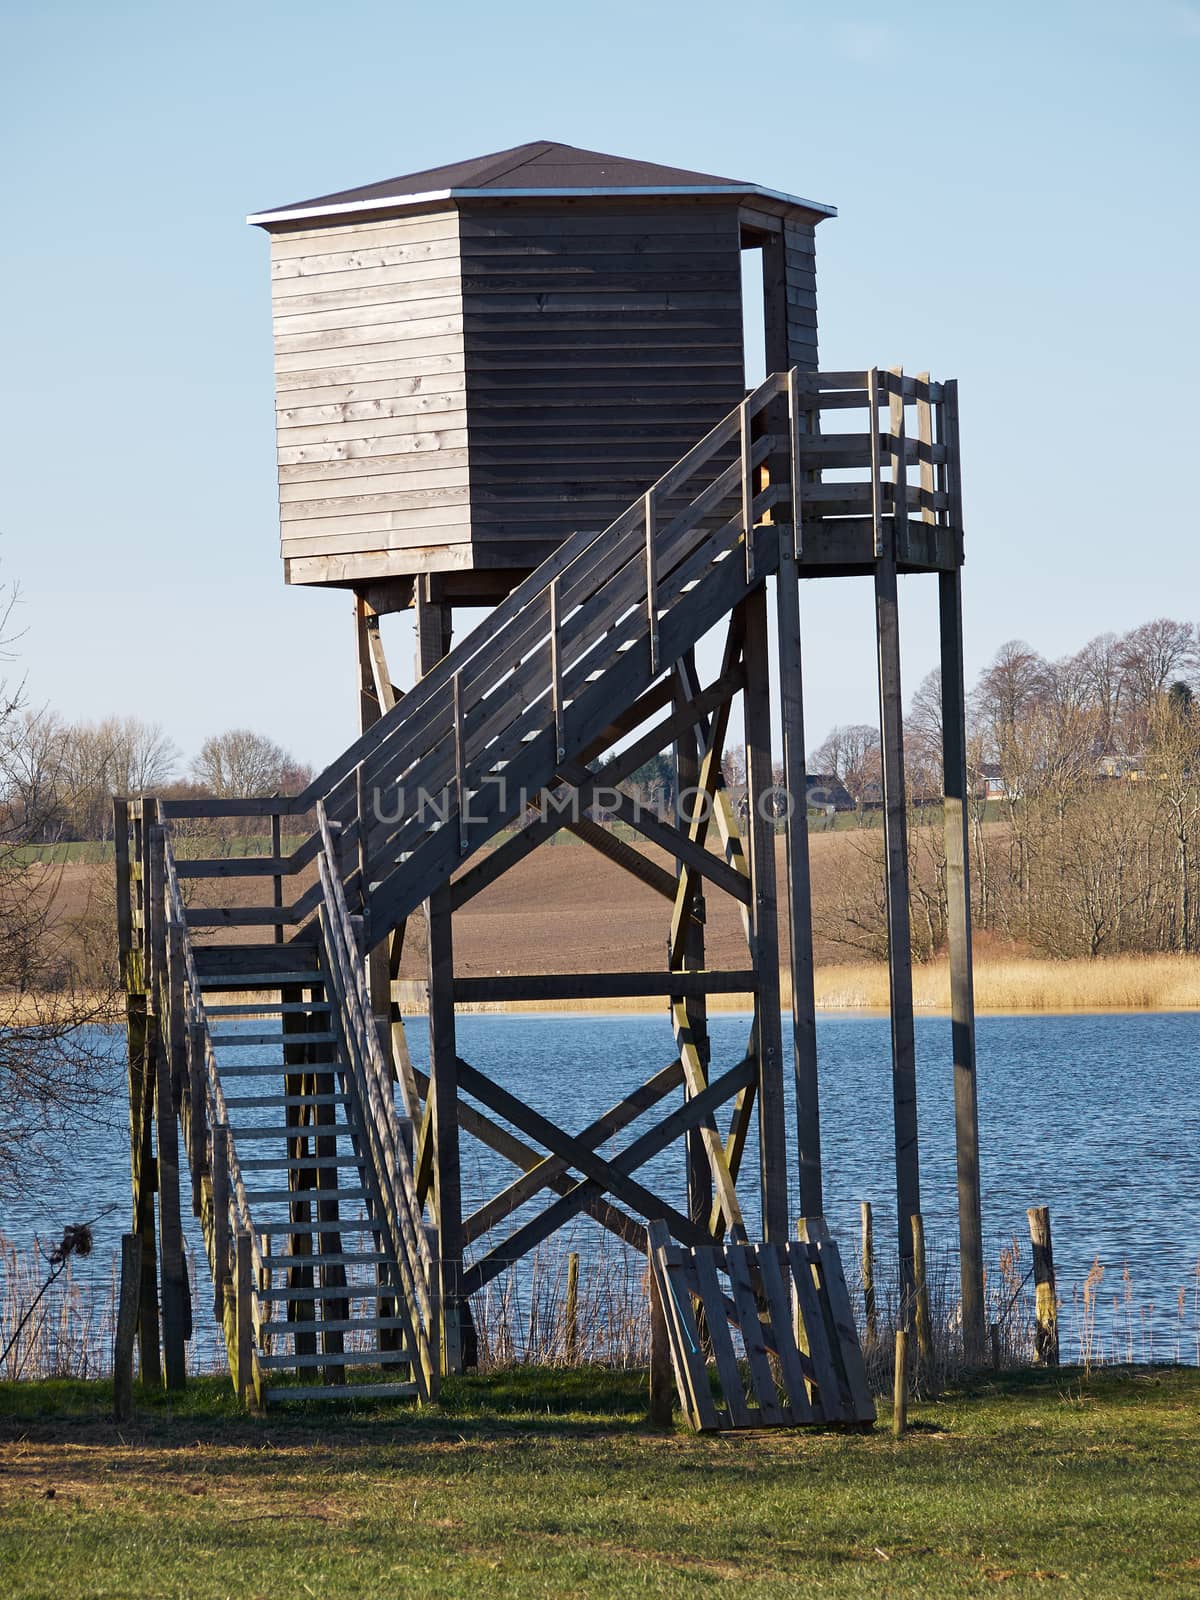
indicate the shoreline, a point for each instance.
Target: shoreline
{"x":1118,"y":985}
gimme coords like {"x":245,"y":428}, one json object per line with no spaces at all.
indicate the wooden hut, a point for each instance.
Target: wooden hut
{"x":474,"y":361}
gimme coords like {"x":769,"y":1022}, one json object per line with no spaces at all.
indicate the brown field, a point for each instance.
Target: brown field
{"x":566,"y":909}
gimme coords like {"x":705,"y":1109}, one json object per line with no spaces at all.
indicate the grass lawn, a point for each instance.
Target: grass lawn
{"x":549,"y":1483}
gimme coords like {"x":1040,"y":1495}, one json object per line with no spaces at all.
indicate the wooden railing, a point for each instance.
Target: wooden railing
{"x":387,"y":1150}
{"x":528,"y":689}
{"x":519,"y":704}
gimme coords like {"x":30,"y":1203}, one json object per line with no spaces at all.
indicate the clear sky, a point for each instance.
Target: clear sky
{"x":1018,"y":195}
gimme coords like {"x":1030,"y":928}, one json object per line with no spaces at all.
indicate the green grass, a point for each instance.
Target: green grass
{"x":539,"y":1483}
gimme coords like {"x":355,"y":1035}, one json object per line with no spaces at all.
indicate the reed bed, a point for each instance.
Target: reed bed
{"x":1114,"y":983}
{"x":523,"y":1318}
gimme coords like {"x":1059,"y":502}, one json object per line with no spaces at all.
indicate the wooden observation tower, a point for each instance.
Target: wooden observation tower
{"x":518,"y":383}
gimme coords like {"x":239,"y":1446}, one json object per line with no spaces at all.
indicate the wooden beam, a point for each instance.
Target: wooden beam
{"x":432,"y":642}
{"x":642,"y":1149}
{"x":602,"y":985}
{"x":798,"y":891}
{"x":962,"y":987}
{"x":544,"y":1172}
{"x":768,"y":1048}
{"x":895,"y":832}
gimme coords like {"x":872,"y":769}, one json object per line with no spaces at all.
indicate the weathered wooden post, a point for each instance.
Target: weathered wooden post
{"x":921,"y":1300}
{"x":900,"y":1385}
{"x":125,"y":1334}
{"x":868,"y":1272}
{"x":662,"y":1382}
{"x":887,"y":533}
{"x":1046,"y":1333}
{"x":243,"y":1292}
{"x":572,"y":1328}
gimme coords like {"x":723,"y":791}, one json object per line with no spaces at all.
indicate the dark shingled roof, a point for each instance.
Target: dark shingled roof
{"x":540,"y":166}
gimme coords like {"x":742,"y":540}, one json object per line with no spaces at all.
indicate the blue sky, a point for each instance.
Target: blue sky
{"x":1018,"y":198}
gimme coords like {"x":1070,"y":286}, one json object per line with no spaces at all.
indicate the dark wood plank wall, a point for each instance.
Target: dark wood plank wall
{"x":800,"y":292}
{"x":600,"y":343}
{"x":371,"y":414}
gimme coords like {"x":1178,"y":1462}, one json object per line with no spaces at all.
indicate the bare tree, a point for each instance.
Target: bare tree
{"x":1151,"y":657}
{"x":54,"y":1070}
{"x":242,"y":765}
{"x":851,"y":752}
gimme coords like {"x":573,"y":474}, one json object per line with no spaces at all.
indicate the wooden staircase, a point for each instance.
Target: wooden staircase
{"x":301,"y":1164}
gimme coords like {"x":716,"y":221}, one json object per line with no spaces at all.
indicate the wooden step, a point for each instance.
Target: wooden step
{"x":303,"y":1164}
{"x":270,"y":1197}
{"x":255,"y":1041}
{"x":263,"y":1008}
{"x":344,"y":1258}
{"x":308,"y":979}
{"x":310,"y":1130}
{"x":344,"y":1391}
{"x":349,"y":1291}
{"x":342,"y":1325}
{"x":337,"y":1225}
{"x":340,"y":1358}
{"x":285,"y":1102}
{"x":251,"y":1069}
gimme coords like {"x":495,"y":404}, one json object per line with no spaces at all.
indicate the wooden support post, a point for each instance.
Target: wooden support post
{"x":173,"y":1268}
{"x":277,"y":880}
{"x":895,"y":829}
{"x":141,"y":1125}
{"x":764,"y":931}
{"x":688,"y":952}
{"x":868,"y":1273}
{"x":243,"y":1293}
{"x":921,"y":1297}
{"x":571,"y":1340}
{"x":900,"y":1386}
{"x":662,"y":1381}
{"x":962,"y":990}
{"x":1046,"y":1332}
{"x":220,"y":1221}
{"x":297,"y":1081}
{"x":126,"y":1329}
{"x":432,"y":630}
{"x":798,"y":888}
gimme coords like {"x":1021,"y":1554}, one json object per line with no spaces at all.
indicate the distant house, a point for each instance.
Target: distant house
{"x":826,"y":792}
{"x":1112,"y":765}
{"x":987,"y":782}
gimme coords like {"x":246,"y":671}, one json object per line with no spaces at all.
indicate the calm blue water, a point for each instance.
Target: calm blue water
{"x":1096,"y":1116}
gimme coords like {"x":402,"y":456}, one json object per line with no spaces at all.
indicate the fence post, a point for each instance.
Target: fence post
{"x":921,"y":1290}
{"x":125,"y":1335}
{"x":868,"y":1272}
{"x":220,"y":1203}
{"x":1045,"y":1348}
{"x":572,"y":1331}
{"x":243,"y":1286}
{"x":662,"y":1382}
{"x":900,"y":1386}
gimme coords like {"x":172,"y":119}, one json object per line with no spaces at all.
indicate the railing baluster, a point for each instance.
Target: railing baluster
{"x":896,"y":426}
{"x":460,"y":763}
{"x":648,"y":511}
{"x":560,"y":744}
{"x":744,"y":423}
{"x":876,"y":461}
{"x":795,"y":434}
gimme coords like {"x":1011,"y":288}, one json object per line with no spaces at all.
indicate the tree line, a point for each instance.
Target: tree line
{"x":1085,"y":800}
{"x":57,"y":778}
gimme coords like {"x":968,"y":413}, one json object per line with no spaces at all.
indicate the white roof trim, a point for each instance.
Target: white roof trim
{"x":391,"y":202}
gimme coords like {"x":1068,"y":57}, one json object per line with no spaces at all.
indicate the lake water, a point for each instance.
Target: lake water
{"x":1096,"y":1116}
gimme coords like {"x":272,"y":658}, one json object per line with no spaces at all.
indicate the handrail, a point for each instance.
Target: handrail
{"x":393,"y":1172}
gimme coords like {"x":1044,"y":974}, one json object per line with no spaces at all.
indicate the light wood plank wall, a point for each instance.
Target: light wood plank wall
{"x":601,"y":343}
{"x":370,"y":405}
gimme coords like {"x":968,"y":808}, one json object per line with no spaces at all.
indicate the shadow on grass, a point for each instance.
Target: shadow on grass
{"x":527,"y":1402}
